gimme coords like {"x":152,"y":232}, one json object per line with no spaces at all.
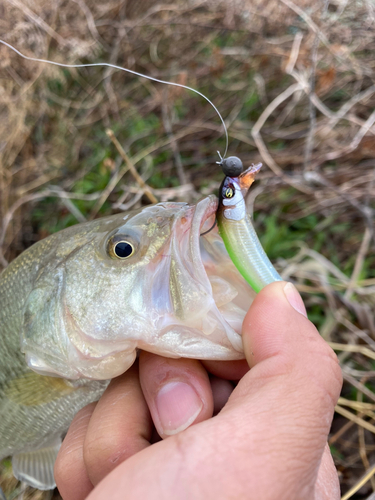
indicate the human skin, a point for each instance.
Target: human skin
{"x":268,"y":442}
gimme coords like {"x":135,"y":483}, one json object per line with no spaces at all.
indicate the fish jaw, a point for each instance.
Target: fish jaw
{"x":180,"y":297}
{"x":205,"y":323}
{"x":68,"y":352}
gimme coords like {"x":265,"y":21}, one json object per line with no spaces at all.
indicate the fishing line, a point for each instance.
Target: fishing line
{"x":211,"y":228}
{"x":108,"y":65}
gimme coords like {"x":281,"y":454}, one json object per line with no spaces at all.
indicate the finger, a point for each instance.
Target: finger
{"x":274,"y":425}
{"x":295,"y":377}
{"x":177,"y":392}
{"x":221,"y":390}
{"x":70,"y":469}
{"x":281,"y":343}
{"x":230,"y":370}
{"x":120,"y":426}
{"x":327,"y":485}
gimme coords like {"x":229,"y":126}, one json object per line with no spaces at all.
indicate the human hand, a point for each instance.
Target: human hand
{"x":268,"y":442}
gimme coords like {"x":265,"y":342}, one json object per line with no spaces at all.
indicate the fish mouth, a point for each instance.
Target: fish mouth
{"x":205,"y":211}
{"x":228,"y":295}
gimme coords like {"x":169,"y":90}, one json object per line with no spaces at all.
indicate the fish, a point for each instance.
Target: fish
{"x":77,"y":306}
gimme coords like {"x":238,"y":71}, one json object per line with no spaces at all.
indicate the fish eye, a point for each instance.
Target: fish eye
{"x":120,"y":248}
{"x":123,"y":249}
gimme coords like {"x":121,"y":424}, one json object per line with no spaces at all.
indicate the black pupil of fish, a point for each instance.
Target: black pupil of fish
{"x":123,"y":249}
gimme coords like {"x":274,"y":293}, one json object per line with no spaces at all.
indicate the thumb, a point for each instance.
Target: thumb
{"x":282,"y":344}
{"x":295,"y":381}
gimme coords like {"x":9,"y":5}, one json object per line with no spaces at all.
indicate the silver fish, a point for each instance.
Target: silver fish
{"x":76,"y":307}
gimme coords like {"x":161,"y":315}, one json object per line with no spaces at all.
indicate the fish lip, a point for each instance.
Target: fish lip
{"x":203,"y":211}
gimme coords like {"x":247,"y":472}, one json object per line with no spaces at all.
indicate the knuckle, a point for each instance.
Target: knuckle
{"x":60,"y":471}
{"x":98,"y":450}
{"x":69,"y":468}
{"x":102,"y":453}
{"x":64,"y":469}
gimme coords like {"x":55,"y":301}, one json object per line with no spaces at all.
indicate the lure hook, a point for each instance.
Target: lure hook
{"x":209,"y":230}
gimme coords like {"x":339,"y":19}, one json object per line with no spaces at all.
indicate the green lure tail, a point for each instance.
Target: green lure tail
{"x":237,"y":231}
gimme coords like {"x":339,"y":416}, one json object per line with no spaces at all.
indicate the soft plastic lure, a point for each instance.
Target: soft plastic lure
{"x":236,"y":228}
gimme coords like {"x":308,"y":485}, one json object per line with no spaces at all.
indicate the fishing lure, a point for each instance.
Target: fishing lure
{"x":236,"y":228}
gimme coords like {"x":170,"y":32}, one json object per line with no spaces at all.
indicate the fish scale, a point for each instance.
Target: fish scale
{"x":33,"y":424}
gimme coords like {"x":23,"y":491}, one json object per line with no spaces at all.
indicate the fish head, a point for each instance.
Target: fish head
{"x":141,"y":280}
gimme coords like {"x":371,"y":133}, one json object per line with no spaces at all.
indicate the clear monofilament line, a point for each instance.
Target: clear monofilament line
{"x":108,"y":65}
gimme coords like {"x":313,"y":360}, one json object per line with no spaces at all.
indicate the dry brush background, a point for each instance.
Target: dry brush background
{"x":294,"y":81}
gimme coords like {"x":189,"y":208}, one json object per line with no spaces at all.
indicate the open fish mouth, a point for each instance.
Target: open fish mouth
{"x":184,"y":298}
{"x":225,"y":296}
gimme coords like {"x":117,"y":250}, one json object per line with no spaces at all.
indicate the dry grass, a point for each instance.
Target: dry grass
{"x":295,"y":84}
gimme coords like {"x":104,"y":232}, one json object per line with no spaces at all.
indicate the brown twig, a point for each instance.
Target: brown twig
{"x":255,"y":132}
{"x":362,"y":440}
{"x":131,"y":167}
